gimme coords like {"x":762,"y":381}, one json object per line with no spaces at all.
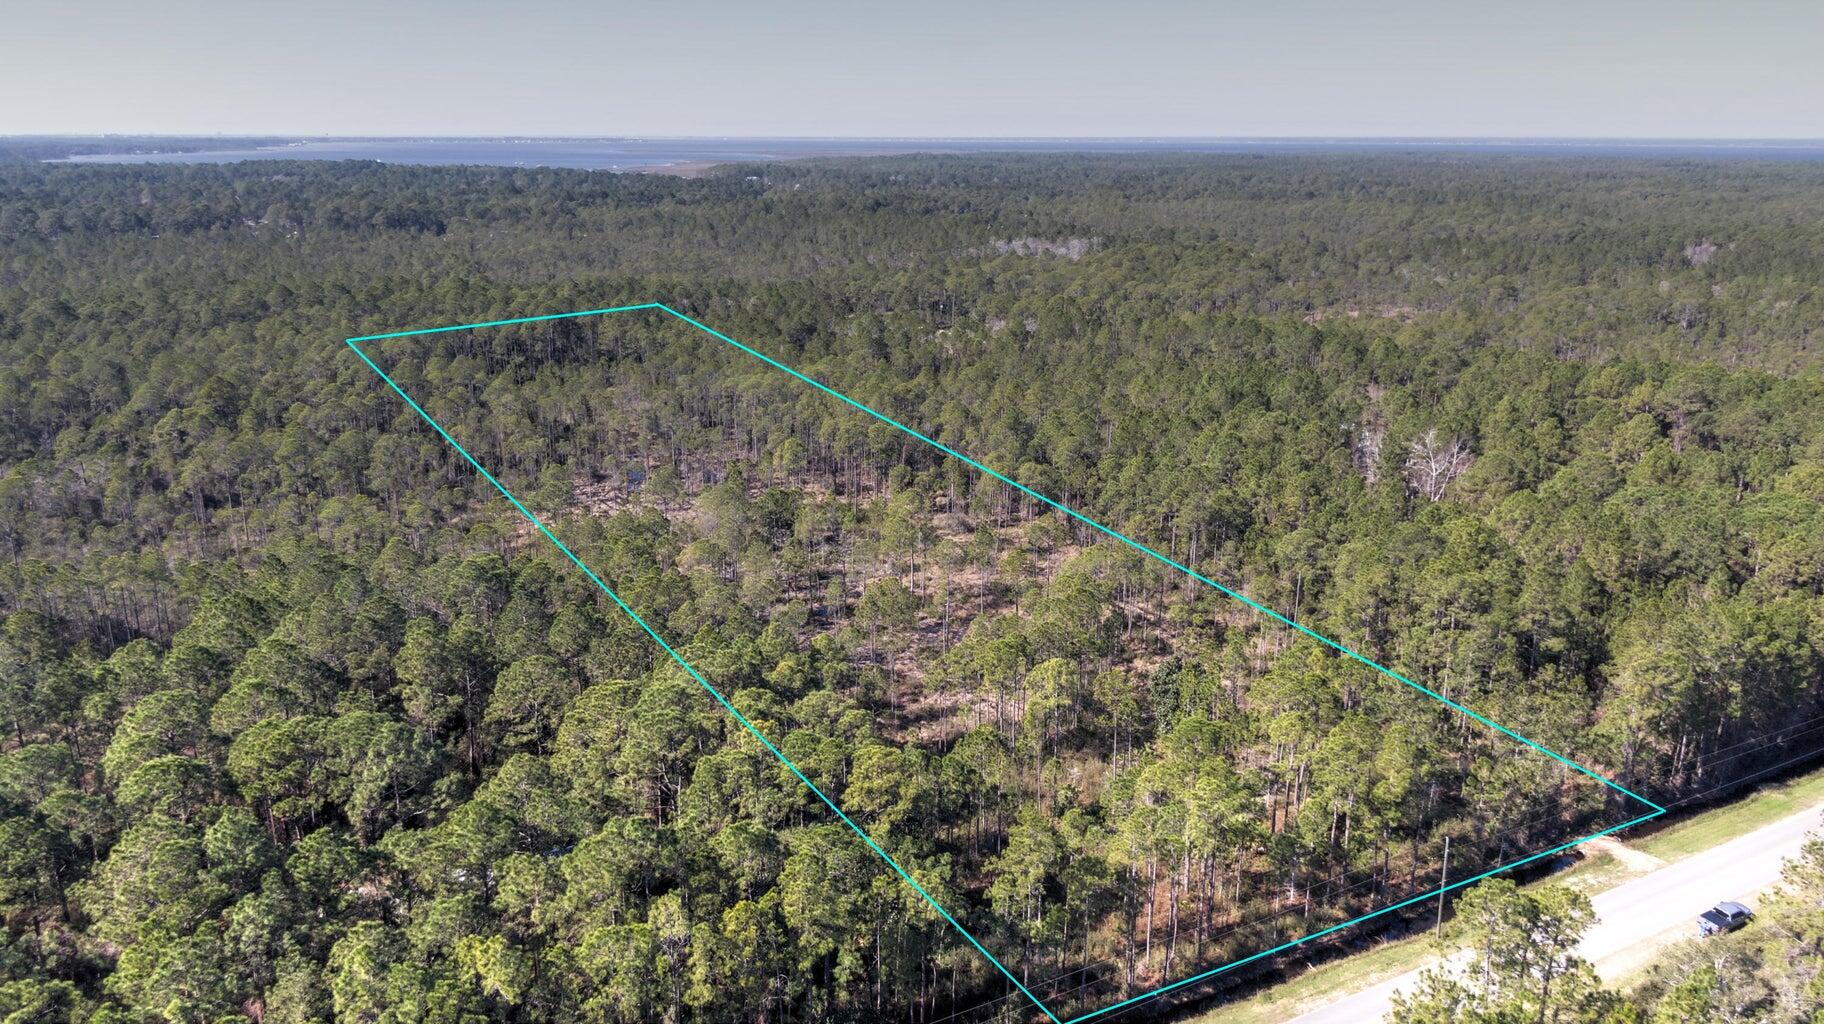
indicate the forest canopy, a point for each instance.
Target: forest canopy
{"x":305,"y":724}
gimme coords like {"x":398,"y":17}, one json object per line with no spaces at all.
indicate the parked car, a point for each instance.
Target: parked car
{"x":1724,"y":917}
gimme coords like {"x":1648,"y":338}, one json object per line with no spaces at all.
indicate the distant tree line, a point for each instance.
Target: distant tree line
{"x":303,"y":723}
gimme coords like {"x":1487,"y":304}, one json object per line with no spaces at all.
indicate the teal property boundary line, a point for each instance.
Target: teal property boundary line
{"x":355,"y":343}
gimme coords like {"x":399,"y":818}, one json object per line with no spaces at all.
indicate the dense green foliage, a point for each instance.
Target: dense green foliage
{"x":1521,"y":966}
{"x":305,"y":724}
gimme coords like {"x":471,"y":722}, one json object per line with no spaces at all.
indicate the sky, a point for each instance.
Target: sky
{"x":917,"y":68}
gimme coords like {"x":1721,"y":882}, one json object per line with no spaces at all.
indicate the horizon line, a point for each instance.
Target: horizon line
{"x":902,"y":137}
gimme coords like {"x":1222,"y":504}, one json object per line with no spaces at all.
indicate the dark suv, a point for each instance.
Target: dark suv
{"x":1724,"y":917}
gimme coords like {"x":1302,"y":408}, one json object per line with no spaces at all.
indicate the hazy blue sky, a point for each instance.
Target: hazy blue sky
{"x":922,"y":67}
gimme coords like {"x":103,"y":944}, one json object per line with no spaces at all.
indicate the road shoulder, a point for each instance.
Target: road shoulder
{"x":1604,"y":867}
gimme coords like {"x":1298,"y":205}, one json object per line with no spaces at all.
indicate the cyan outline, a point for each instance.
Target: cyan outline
{"x":354,"y":344}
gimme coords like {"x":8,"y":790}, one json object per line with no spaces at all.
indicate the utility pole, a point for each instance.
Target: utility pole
{"x":1443,"y":880}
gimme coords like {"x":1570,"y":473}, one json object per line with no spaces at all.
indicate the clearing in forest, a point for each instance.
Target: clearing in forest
{"x":1290,"y":918}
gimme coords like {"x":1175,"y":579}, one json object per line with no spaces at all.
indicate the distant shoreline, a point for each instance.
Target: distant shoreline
{"x":685,"y":168}
{"x":691,"y":157}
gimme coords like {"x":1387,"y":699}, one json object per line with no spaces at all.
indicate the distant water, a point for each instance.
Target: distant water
{"x":639,"y":154}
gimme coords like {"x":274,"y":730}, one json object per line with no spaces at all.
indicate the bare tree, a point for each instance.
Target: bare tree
{"x":1366,"y":441}
{"x":1367,"y":451}
{"x":1431,"y":464}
